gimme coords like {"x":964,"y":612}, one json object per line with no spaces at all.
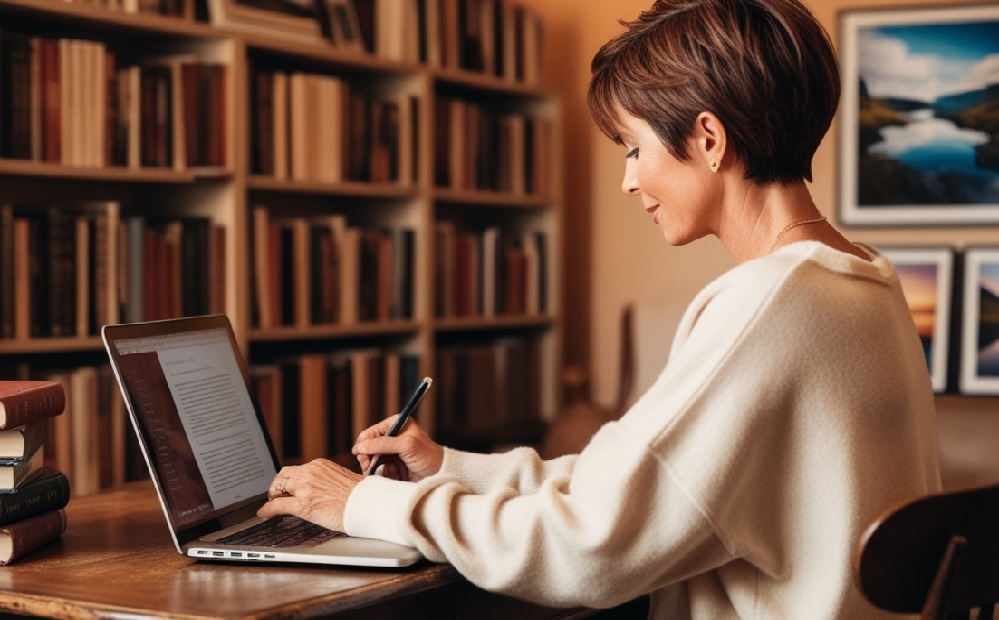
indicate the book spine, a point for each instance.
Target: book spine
{"x":31,"y":533}
{"x":17,"y":95}
{"x":14,"y":474}
{"x":22,"y":404}
{"x":46,"y":494}
{"x":7,"y":278}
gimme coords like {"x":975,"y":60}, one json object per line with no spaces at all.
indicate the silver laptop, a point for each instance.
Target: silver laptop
{"x":186,"y":388}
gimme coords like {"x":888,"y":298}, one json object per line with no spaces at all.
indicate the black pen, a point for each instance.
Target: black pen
{"x":404,"y":416}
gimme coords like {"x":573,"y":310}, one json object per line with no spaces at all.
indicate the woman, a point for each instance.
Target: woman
{"x":796,"y":405}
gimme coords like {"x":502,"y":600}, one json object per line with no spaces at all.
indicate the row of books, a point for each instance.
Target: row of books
{"x":315,"y":405}
{"x":170,"y":267}
{"x":489,"y":272}
{"x":495,"y":37}
{"x":483,"y":387}
{"x":171,"y":113}
{"x":359,"y":136}
{"x":67,"y":101}
{"x":316,"y":270}
{"x":67,"y":269}
{"x":58,"y":275}
{"x":33,"y":495}
{"x":481,"y":148}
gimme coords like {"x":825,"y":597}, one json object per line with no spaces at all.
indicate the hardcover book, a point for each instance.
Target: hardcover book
{"x":14,"y":473}
{"x":19,"y":441}
{"x":47,"y":490}
{"x":25,"y":401}
{"x":21,"y":537}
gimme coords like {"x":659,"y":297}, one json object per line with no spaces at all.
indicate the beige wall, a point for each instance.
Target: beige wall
{"x":614,"y":253}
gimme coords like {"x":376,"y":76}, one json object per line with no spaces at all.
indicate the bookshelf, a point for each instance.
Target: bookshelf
{"x":364,"y":218}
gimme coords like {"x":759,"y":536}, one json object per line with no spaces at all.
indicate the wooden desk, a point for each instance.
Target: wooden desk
{"x":116,"y":560}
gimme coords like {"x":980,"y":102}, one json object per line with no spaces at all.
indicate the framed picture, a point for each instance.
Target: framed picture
{"x":980,"y":322}
{"x":298,"y":19}
{"x":918,"y":141}
{"x":927,"y":277}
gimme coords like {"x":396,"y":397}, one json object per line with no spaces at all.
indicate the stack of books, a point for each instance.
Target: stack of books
{"x":32,"y":495}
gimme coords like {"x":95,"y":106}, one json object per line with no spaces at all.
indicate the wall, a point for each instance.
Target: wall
{"x":614,"y":252}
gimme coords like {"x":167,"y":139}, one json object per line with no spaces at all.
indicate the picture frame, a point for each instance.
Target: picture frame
{"x":927,"y":278}
{"x":295,"y":19}
{"x":979,"y":371}
{"x":914,"y":143}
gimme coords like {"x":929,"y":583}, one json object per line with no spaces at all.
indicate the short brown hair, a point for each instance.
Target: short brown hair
{"x":766,"y":68}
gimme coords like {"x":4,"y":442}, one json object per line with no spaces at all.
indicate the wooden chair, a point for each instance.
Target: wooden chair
{"x":937,"y":555}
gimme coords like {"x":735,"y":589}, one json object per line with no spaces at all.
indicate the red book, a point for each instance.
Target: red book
{"x":263,"y":122}
{"x":515,"y":274}
{"x":193,"y":116}
{"x":465,"y":275}
{"x":21,"y":537}
{"x":24,"y":401}
{"x":51,"y":101}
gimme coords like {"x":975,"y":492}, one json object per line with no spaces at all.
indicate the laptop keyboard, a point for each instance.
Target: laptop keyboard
{"x":283,"y":531}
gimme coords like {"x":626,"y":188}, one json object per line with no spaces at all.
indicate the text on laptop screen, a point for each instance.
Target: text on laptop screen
{"x":199,"y":425}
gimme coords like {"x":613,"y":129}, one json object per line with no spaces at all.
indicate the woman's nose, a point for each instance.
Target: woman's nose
{"x":629,"y":185}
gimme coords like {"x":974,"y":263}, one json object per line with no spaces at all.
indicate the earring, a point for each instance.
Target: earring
{"x":714,"y":166}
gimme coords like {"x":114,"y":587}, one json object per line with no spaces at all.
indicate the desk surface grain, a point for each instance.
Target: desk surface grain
{"x":116,"y":559}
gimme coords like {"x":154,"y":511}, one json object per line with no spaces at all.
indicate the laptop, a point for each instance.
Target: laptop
{"x":201,"y":432}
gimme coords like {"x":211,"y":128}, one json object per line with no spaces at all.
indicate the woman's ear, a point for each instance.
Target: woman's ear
{"x":709,"y":141}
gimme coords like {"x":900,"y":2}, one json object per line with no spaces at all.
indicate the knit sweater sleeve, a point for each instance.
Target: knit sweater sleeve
{"x":581,"y":538}
{"x":521,"y":469}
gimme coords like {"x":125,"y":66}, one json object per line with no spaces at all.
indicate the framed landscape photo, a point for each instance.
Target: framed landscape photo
{"x":297,"y":19}
{"x":927,"y":277}
{"x":919,"y":116}
{"x":979,"y":372}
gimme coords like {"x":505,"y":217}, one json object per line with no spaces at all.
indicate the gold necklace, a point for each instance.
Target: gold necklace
{"x":814,"y":220}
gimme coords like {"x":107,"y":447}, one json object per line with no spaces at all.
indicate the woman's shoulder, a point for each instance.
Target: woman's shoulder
{"x":805,"y":257}
{"x":807,"y":272}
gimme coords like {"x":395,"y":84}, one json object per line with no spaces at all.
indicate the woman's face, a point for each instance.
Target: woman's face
{"x":675,"y":193}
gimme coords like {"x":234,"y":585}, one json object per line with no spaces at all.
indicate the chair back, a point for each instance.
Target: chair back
{"x":937,"y":555}
{"x":647,"y":329}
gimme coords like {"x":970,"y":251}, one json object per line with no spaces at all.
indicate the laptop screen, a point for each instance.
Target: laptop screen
{"x":199,"y":429}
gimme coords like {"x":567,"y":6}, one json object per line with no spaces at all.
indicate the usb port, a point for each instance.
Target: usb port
{"x":202,"y":552}
{"x":237,"y":554}
{"x":252,"y":555}
{"x":218,"y":554}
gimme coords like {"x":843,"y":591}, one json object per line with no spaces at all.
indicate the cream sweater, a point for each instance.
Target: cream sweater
{"x":795,"y":408}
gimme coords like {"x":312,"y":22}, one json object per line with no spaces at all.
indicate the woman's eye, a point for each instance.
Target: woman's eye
{"x":632,"y":154}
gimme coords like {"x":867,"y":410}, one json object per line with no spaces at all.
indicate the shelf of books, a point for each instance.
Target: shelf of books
{"x":370,"y":193}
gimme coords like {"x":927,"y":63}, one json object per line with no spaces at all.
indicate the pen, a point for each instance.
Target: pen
{"x":404,"y":416}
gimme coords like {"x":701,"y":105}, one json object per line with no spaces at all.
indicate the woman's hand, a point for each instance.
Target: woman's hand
{"x":412,"y":455}
{"x":316,"y":492}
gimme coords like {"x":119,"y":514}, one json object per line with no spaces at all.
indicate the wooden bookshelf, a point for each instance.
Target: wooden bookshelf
{"x":249,"y":198}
